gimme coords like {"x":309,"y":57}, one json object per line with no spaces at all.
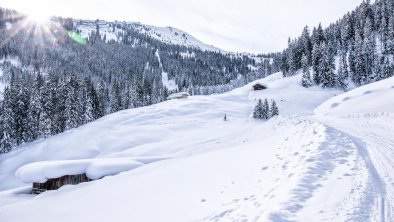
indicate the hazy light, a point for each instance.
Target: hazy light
{"x":77,"y":38}
{"x":38,"y":18}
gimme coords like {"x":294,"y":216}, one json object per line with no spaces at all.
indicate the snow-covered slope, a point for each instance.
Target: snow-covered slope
{"x":366,"y":115}
{"x":167,"y":35}
{"x":175,"y":36}
{"x":295,"y":167}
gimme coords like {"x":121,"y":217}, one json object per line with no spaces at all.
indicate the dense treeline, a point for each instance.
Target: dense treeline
{"x":56,"y":83}
{"x":362,"y":42}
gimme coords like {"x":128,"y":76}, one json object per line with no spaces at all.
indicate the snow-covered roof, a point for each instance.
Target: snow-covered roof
{"x":178,"y":95}
{"x":40,"y":172}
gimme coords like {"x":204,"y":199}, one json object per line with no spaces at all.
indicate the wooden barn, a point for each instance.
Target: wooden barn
{"x":259,"y":86}
{"x":51,"y":175}
{"x":56,"y":183}
{"x":182,"y":95}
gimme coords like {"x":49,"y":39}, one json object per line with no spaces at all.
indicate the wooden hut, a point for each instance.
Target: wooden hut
{"x":181,"y":95}
{"x":259,"y":86}
{"x":56,"y":183}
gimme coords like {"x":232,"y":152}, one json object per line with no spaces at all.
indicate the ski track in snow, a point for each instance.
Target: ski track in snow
{"x":375,"y":143}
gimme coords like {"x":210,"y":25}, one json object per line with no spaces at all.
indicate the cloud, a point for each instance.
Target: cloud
{"x":233,"y":25}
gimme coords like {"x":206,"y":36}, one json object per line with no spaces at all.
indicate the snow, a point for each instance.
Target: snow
{"x":363,"y":100}
{"x":8,"y":26}
{"x":175,"y":36}
{"x":94,"y":169}
{"x":13,"y":60}
{"x":169,"y":84}
{"x":315,"y":160}
{"x":167,"y":35}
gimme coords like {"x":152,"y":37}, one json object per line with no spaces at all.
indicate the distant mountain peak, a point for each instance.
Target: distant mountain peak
{"x":167,"y":34}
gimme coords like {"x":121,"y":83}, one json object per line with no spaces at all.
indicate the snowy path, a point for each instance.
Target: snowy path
{"x":374,"y":137}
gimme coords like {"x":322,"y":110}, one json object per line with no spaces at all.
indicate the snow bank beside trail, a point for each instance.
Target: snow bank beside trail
{"x":94,"y":168}
{"x":373,"y":98}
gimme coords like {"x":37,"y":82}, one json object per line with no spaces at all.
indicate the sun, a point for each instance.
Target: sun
{"x":38,"y":17}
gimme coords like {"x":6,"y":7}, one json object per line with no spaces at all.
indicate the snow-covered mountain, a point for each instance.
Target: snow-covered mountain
{"x":169,"y":35}
{"x":326,"y":157}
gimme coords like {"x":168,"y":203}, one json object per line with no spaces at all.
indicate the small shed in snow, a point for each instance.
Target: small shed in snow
{"x":259,"y":86}
{"x":56,"y":183}
{"x":51,"y":175}
{"x":181,"y":95}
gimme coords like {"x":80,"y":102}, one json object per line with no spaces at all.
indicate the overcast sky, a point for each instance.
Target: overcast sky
{"x":233,"y":25}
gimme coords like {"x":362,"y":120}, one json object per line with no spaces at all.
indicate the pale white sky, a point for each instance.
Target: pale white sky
{"x":233,"y":25}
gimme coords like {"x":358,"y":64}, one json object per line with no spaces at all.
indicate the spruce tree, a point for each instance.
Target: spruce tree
{"x":8,"y":137}
{"x":306,"y":76}
{"x":274,"y":110}
{"x":316,"y":59}
{"x":72,"y":113}
{"x":327,"y":67}
{"x":258,"y":110}
{"x":266,"y":110}
{"x":116,"y":98}
{"x":35,"y":109}
{"x":358,"y":68}
{"x":343,"y":73}
{"x":369,"y":51}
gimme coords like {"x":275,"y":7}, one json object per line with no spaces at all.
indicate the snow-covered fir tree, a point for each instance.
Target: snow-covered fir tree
{"x":274,"y":110}
{"x":258,"y":110}
{"x":306,"y":75}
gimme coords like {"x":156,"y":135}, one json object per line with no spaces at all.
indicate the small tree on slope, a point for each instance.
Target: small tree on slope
{"x":274,"y":110}
{"x":306,"y":76}
{"x":266,"y":110}
{"x":258,"y":110}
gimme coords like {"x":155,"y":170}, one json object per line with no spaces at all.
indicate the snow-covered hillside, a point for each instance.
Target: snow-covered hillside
{"x":167,"y":35}
{"x":311,"y":163}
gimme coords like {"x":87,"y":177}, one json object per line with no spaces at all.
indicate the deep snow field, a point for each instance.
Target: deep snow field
{"x":329,"y":156}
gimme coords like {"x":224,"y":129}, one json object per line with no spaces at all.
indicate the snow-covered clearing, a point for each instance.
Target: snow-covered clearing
{"x":325,"y":158}
{"x":169,"y":84}
{"x":366,"y":114}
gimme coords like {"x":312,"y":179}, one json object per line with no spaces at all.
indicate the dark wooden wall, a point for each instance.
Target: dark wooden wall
{"x":56,"y":183}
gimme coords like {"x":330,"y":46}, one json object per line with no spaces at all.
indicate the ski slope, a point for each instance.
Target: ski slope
{"x":322,"y":159}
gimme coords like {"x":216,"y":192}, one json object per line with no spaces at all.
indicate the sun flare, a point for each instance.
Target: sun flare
{"x":38,"y":17}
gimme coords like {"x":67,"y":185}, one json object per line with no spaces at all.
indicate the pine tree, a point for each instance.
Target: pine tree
{"x":92,"y":107}
{"x":385,"y":69}
{"x":266,"y":110}
{"x":48,"y":107}
{"x":357,"y":62}
{"x":73,"y":117}
{"x":306,"y":43}
{"x":116,"y":99}
{"x":274,"y":110}
{"x":103,"y":98}
{"x":306,"y":76}
{"x":390,"y":34}
{"x":258,"y":110}
{"x":327,"y":67}
{"x":35,"y":109}
{"x":369,"y":51}
{"x":316,"y":59}
{"x":343,"y":73}
{"x":8,"y":137}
